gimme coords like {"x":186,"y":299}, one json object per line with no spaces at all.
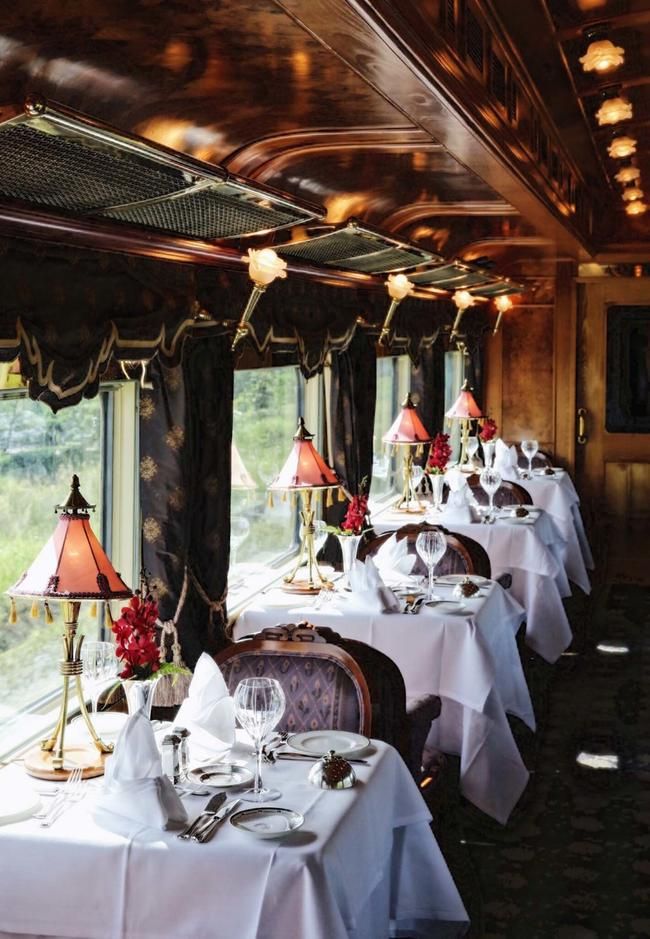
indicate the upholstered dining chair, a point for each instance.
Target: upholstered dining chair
{"x":540,"y":460}
{"x":508,"y":493}
{"x":457,"y":559}
{"x":324,"y":687}
{"x":404,"y":727}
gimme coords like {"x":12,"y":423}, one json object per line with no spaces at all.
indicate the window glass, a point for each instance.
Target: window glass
{"x":266,"y":410}
{"x":39,"y":452}
{"x":392,"y":384}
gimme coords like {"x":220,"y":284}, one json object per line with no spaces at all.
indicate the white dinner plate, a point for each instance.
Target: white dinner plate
{"x":239,"y":775}
{"x":450,"y":607}
{"x":454,"y":579}
{"x":318,"y":742}
{"x":18,"y":800}
{"x":267,"y":821}
{"x":557,"y":470}
{"x":108,"y":725}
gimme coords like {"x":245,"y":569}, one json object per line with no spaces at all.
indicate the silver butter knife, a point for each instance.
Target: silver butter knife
{"x":206,"y":815}
{"x":305,"y":758}
{"x":205,"y":834}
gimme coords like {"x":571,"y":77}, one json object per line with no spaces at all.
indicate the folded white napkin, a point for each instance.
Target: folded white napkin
{"x":369,"y":592}
{"x":134,"y":785}
{"x":460,"y":500}
{"x":393,"y":558}
{"x":208,"y":711}
{"x":505,"y":459}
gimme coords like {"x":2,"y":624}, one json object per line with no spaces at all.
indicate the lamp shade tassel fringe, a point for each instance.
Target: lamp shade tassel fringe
{"x":49,"y":619}
{"x":34,"y":610}
{"x":13,"y":615}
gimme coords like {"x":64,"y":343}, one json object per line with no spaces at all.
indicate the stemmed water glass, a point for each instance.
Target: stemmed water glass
{"x":100,"y":666}
{"x":472,"y":448}
{"x":490,"y":482}
{"x":259,"y":705}
{"x":431,"y":546}
{"x":529,"y":448}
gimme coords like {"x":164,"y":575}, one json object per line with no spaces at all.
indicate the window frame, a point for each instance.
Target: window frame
{"x":120,"y":506}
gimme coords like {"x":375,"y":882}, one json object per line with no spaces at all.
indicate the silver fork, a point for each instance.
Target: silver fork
{"x":70,"y":793}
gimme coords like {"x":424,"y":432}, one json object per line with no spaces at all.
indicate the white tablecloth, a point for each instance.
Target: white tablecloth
{"x":364,"y":857}
{"x":471,"y":661}
{"x":532,"y":553}
{"x":558,"y":497}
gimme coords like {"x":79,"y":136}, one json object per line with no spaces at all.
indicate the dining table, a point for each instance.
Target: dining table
{"x":530,"y":550}
{"x":364,"y":865}
{"x":465,"y":653}
{"x":558,"y":497}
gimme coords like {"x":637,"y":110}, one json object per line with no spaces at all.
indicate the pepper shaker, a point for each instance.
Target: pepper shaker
{"x":184,"y":750}
{"x":171,"y":757}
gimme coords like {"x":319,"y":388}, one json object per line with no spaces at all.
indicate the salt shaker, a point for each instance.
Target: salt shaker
{"x":171,"y":746}
{"x":184,"y":750}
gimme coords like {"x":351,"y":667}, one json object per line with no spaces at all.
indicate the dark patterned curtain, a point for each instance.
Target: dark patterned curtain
{"x":428,"y":387}
{"x":350,"y":409}
{"x":185,"y":439}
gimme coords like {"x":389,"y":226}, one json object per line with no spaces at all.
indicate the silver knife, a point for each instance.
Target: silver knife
{"x":305,"y":758}
{"x":206,"y":815}
{"x":207,"y":831}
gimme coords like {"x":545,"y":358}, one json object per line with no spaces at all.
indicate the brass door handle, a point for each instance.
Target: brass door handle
{"x":582,"y":426}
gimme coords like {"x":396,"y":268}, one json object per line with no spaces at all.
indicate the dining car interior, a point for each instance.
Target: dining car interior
{"x":324,"y":469}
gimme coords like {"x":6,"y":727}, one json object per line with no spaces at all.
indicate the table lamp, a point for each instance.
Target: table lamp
{"x":306,"y":472}
{"x":409,"y":432}
{"x":71,"y":567}
{"x":465,"y":410}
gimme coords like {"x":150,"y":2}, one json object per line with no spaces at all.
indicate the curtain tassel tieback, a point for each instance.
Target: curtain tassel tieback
{"x":172,"y":689}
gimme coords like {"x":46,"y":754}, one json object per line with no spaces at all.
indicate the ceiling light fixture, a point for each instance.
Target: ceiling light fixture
{"x":264,"y":266}
{"x":463,"y":300}
{"x":622,"y":147}
{"x":628,"y":174}
{"x":503,"y":304}
{"x":601,"y":56}
{"x":630,"y":193}
{"x":613,"y":110}
{"x":636,"y":208}
{"x":399,"y":287}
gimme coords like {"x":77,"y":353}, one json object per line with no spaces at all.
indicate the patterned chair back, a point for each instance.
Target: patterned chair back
{"x":323,"y":685}
{"x":540,"y":460}
{"x":507,"y":494}
{"x":457,"y":559}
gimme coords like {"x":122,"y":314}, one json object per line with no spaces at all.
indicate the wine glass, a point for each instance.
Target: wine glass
{"x":100,"y":666}
{"x":259,"y":705}
{"x":490,"y":482}
{"x":472,"y":448}
{"x":239,"y":530}
{"x":529,"y":448}
{"x":431,"y":546}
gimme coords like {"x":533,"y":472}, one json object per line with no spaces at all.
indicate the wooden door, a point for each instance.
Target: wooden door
{"x":613,"y":388}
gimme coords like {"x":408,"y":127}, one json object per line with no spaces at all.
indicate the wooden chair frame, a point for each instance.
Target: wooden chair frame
{"x":411,"y":532}
{"x":521,"y":494}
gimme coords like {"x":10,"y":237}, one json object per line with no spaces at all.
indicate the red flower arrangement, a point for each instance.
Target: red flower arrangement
{"x":488,"y":430}
{"x":356,"y":517}
{"x":439,"y":455}
{"x":136,"y":640}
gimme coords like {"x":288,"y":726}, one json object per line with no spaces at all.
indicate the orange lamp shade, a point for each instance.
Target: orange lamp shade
{"x":407,"y":428}
{"x":72,"y":565}
{"x":305,"y":468}
{"x":464,"y":406}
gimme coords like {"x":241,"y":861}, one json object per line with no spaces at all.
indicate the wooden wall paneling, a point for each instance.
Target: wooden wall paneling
{"x":564,"y":364}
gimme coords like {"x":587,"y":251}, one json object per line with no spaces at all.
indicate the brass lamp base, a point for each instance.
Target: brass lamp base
{"x":414,"y":507}
{"x":302,"y":586}
{"x":40,"y":763}
{"x":314,"y":580}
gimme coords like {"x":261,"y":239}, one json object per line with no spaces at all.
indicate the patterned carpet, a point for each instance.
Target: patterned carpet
{"x":574,"y":860}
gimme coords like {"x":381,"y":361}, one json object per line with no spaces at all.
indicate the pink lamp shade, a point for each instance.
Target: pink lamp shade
{"x":305,"y":468}
{"x":73,"y":564}
{"x":464,"y":406}
{"x":407,"y":428}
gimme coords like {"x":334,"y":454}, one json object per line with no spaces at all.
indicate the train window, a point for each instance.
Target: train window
{"x":393,"y":374}
{"x":268,"y":402}
{"x":39,"y":452}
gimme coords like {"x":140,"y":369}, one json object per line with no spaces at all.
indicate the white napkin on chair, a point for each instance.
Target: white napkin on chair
{"x":369,"y":592}
{"x":134,"y":785}
{"x":505,"y":459}
{"x":393,"y":558}
{"x":208,"y":711}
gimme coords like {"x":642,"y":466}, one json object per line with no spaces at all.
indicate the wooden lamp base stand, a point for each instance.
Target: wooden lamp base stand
{"x":40,"y":763}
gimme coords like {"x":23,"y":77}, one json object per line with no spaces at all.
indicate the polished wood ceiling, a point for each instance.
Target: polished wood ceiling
{"x":388,"y":111}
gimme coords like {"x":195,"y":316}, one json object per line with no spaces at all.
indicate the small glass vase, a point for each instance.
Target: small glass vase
{"x":488,"y":453}
{"x":140,"y":695}
{"x":349,"y":547}
{"x":437,"y":481}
